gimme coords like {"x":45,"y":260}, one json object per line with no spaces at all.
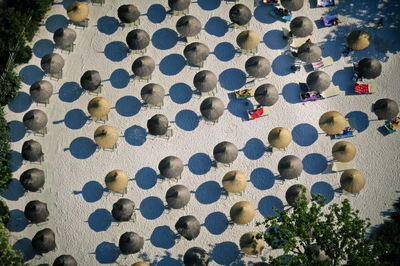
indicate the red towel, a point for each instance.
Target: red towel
{"x":361,"y":88}
{"x":256,"y":113}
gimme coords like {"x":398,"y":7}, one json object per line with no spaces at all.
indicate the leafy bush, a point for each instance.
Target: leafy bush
{"x":10,"y":83}
{"x":5,"y":172}
{"x":23,"y":55}
{"x":4,"y":214}
{"x":8,"y":256}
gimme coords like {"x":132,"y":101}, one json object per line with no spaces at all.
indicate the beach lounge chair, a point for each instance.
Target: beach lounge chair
{"x":84,"y":24}
{"x":132,"y":24}
{"x":392,"y":126}
{"x":243,"y":93}
{"x":276,"y":14}
{"x":271,"y":2}
{"x":365,"y":88}
{"x":339,"y":166}
{"x":330,"y":92}
{"x":309,"y":96}
{"x":101,"y":2}
{"x":325,"y":3}
{"x":329,"y":21}
{"x":258,"y":112}
{"x":388,"y":128}
{"x":295,"y":42}
{"x":347,"y":133}
{"x":323,"y":62}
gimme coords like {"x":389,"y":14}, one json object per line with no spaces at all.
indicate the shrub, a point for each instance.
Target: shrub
{"x":4,"y":214}
{"x":10,"y":82}
{"x":8,"y":256}
{"x":5,"y":172}
{"x":23,"y":55}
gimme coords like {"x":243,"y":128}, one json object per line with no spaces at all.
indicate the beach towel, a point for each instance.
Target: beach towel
{"x":361,"y":88}
{"x":256,"y":113}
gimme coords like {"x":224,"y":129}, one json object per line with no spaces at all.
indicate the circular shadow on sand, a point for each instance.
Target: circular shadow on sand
{"x":164,"y":38}
{"x":135,"y":135}
{"x":24,"y":245}
{"x":55,"y":22}
{"x":324,"y":189}
{"x":100,"y":220}
{"x":262,"y":178}
{"x":128,"y":106}
{"x":254,"y":149}
{"x":18,"y":221}
{"x":70,"y":92}
{"x":216,"y":223}
{"x":16,"y":130}
{"x":107,"y":253}
{"x":119,"y":78}
{"x":314,"y":163}
{"x":92,"y":191}
{"x":20,"y":103}
{"x":281,"y":65}
{"x":304,"y":134}
{"x":42,"y":47}
{"x":30,"y":74}
{"x":151,"y":208}
{"x":187,"y":120}
{"x":225,"y":51}
{"x":146,"y":178}
{"x":14,"y":160}
{"x":208,"y":192}
{"x":360,"y":118}
{"x":291,"y":93}
{"x":82,"y":148}
{"x":225,"y":253}
{"x":262,"y":14}
{"x":163,"y":237}
{"x":75,"y":119}
{"x":116,"y":51}
{"x":180,"y":93}
{"x":209,"y":4}
{"x":156,"y":13}
{"x":239,"y":107}
{"x":216,"y":26}
{"x":172,"y":64}
{"x":268,"y":204}
{"x":107,"y":25}
{"x":199,"y":163}
{"x":273,"y":39}
{"x":232,"y":79}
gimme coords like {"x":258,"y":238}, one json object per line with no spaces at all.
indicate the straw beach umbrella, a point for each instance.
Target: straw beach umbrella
{"x":152,"y":94}
{"x":242,"y":212}
{"x":158,"y":125}
{"x":352,"y":181}
{"x":369,"y":68}
{"x":171,"y":167}
{"x":309,"y":53}
{"x":36,"y":211}
{"x":358,"y":40}
{"x":188,"y":227}
{"x":140,"y":263}
{"x":225,"y":152}
{"x":35,"y":120}
{"x":130,"y":243}
{"x":78,"y":11}
{"x":143,"y":66}
{"x":32,"y":151}
{"x":52,"y":63}
{"x":318,"y":81}
{"x":196,"y":256}
{"x":240,"y":14}
{"x":205,"y":81}
{"x":344,"y":151}
{"x":64,"y":37}
{"x":98,"y":107}
{"x":266,"y":94}
{"x":65,"y":260}
{"x":294,"y":192}
{"x":317,"y":253}
{"x":248,"y":40}
{"x":128,"y":13}
{"x":123,"y":210}
{"x":250,"y":245}
{"x":212,"y":108}
{"x":290,"y":167}
{"x":41,"y":91}
{"x":177,"y":197}
{"x":234,"y":181}
{"x":258,"y":67}
{"x":279,"y":137}
{"x":196,"y":53}
{"x":44,"y":241}
{"x":386,"y":109}
{"x":32,"y":179}
{"x":116,"y":181}
{"x":106,"y":137}
{"x":90,"y":80}
{"x":178,"y":5}
{"x":301,"y":27}
{"x":188,"y":26}
{"x":292,"y":5}
{"x":137,"y":39}
{"x":332,"y":122}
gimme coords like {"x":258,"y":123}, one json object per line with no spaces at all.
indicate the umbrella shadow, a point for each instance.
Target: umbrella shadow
{"x":24,"y":246}
{"x":107,"y":25}
{"x":14,"y":190}
{"x":107,"y":253}
{"x":180,"y":93}
{"x":168,"y":261}
{"x":325,"y":190}
{"x":361,"y":120}
{"x":81,"y":148}
{"x":273,"y":39}
{"x":262,"y":14}
{"x":156,"y":13}
{"x":116,"y":51}
{"x":216,"y":223}
{"x":172,"y":64}
{"x":262,"y":178}
{"x":209,"y":4}
{"x":163,"y":237}
{"x":164,"y":38}
{"x":30,"y":74}
{"x":151,"y":208}
{"x":135,"y":135}
{"x":281,"y":65}
{"x":239,"y":107}
{"x":315,"y":163}
{"x":200,"y":163}
{"x":55,"y":22}
{"x":92,"y":191}
{"x":304,"y":134}
{"x":42,"y":47}
{"x":291,"y":93}
{"x":16,"y":130}
{"x":20,"y":103}
{"x":254,"y":149}
{"x":268,"y":205}
{"x":146,"y":178}
{"x":224,"y":51}
{"x":187,"y":120}
{"x":18,"y":221}
{"x":70,"y":92}
{"x":343,"y":79}
{"x":225,"y":253}
{"x":74,"y":119}
{"x":208,"y":192}
{"x":128,"y":106}
{"x":15,"y":160}
{"x":100,"y":220}
{"x":216,"y":26}
{"x":120,"y":78}
{"x":232,"y":79}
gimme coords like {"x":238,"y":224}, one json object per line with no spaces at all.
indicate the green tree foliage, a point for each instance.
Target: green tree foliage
{"x":5,"y":172}
{"x":8,"y":256}
{"x":10,"y":82}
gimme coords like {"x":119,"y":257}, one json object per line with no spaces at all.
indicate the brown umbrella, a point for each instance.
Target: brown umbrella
{"x":240,"y":14}
{"x":386,"y":109}
{"x":188,"y":227}
{"x":301,"y":27}
{"x":295,"y":192}
{"x":152,"y":94}
{"x":36,"y":211}
{"x":32,"y":151}
{"x":130,"y":243}
{"x":158,"y":125}
{"x":250,"y":245}
{"x":123,"y":210}
{"x":248,"y":40}
{"x":78,"y":11}
{"x":171,"y":167}
{"x":358,"y":40}
{"x":90,"y":80}
{"x":98,"y":107}
{"x":318,"y":81}
{"x":196,"y":256}
{"x":140,"y":263}
{"x":309,"y":53}
{"x":143,"y":66}
{"x":188,"y":26}
{"x":106,"y":137}
{"x":290,"y":167}
{"x":35,"y":120}
{"x":352,"y":181}
{"x":64,"y":37}
{"x":41,"y":91}
{"x":116,"y":181}
{"x":266,"y":94}
{"x":205,"y":81}
{"x":177,"y":197}
{"x":279,"y":137}
{"x":52,"y":63}
{"x":242,"y":212}
{"x":137,"y":39}
{"x":317,"y":253}
{"x":196,"y":53}
{"x":65,"y":260}
{"x":212,"y":108}
{"x":32,"y":179}
{"x":292,"y":5}
{"x":234,"y":181}
{"x":179,"y":5}
{"x":258,"y":66}
{"x":333,"y":122}
{"x":128,"y":13}
{"x":344,"y":151}
{"x":225,"y":152}
{"x":44,"y":241}
{"x":369,"y":68}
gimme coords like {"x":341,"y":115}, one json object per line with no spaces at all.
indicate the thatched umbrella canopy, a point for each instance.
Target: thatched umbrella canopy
{"x":98,"y":107}
{"x":196,"y":256}
{"x":332,"y":122}
{"x":234,"y":181}
{"x":36,"y":211}
{"x":152,"y":94}
{"x":212,"y":108}
{"x":352,"y":181}
{"x":52,"y":63}
{"x":90,"y":80}
{"x":137,"y":39}
{"x":196,"y":53}
{"x":279,"y":137}
{"x":177,"y":197}
{"x":35,"y":119}
{"x":130,"y":243}
{"x":140,"y":263}
{"x":301,"y":27}
{"x":369,"y":68}
{"x":205,"y":81}
{"x":309,"y":53}
{"x":258,"y":66}
{"x":158,"y":125}
{"x":32,"y":179}
{"x":358,"y":40}
{"x":178,"y":5}
{"x":225,"y":152}
{"x":242,"y":212}
{"x":266,"y":94}
{"x":65,"y":260}
{"x":31,"y":151}
{"x":143,"y":66}
{"x":44,"y":241}
{"x":292,"y":5}
{"x":123,"y":210}
{"x":188,"y":227}
{"x":290,"y":167}
{"x":171,"y":167}
{"x":188,"y":26}
{"x":106,"y":137}
{"x":116,"y":181}
{"x":128,"y":13}
{"x":41,"y":91}
{"x":250,"y":245}
{"x":317,"y":253}
{"x":294,"y":192}
{"x":386,"y":109}
{"x":64,"y":37}
{"x":344,"y":151}
{"x":248,"y":40}
{"x":240,"y":14}
{"x":318,"y":81}
{"x":78,"y":11}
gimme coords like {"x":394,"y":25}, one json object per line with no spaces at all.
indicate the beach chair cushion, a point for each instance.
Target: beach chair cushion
{"x":325,"y":3}
{"x":346,"y":133}
{"x":276,"y":14}
{"x":258,"y":112}
{"x":328,"y":20}
{"x":243,"y":93}
{"x":339,"y":166}
{"x":297,"y":42}
{"x":330,"y":92}
{"x":323,"y":62}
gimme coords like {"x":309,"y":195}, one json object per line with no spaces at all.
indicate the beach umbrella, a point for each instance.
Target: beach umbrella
{"x":177,"y":197}
{"x":98,"y":107}
{"x":196,"y":256}
{"x":332,"y":122}
{"x":179,"y":5}
{"x":358,"y":40}
{"x":52,"y":63}
{"x":90,"y":80}
{"x":309,"y":53}
{"x":279,"y":137}
{"x":386,"y":109}
{"x":242,"y":212}
{"x":65,"y":260}
{"x":290,"y":167}
{"x":130,"y":243}
{"x":106,"y":137}
{"x":240,"y":14}
{"x":369,"y":68}
{"x":140,"y":263}
{"x":188,"y":227}
{"x":344,"y":151}
{"x":258,"y":66}
{"x":64,"y":37}
{"x":248,"y":40}
{"x":137,"y":39}
{"x":294,"y":192}
{"x":35,"y":120}
{"x":152,"y":94}
{"x":158,"y":125}
{"x":143,"y":66}
{"x":250,"y":245}
{"x":36,"y":211}
{"x":171,"y":167}
{"x":196,"y":53}
{"x":301,"y":27}
{"x":225,"y":152}
{"x":123,"y":210}
{"x":318,"y":81}
{"x":41,"y":91}
{"x":292,"y":5}
{"x":234,"y":181}
{"x":78,"y":11}
{"x":116,"y":181}
{"x":212,"y":108}
{"x":266,"y":94}
{"x":205,"y":81}
{"x":128,"y":13}
{"x":188,"y":26}
{"x":352,"y":181}
{"x":44,"y":241}
{"x":317,"y":253}
{"x":32,"y":179}
{"x":31,"y":151}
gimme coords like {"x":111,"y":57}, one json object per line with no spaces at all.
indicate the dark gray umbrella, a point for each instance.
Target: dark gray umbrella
{"x":41,"y":91}
{"x":292,"y":5}
{"x":64,"y":37}
{"x":369,"y":68}
{"x":188,"y":26}
{"x":137,"y":39}
{"x":196,"y":53}
{"x":177,"y":197}
{"x":212,"y":108}
{"x":178,"y":5}
{"x":44,"y":241}
{"x":170,"y":167}
{"x":296,"y":191}
{"x":123,"y":210}
{"x":90,"y":80}
{"x":128,"y":13}
{"x":31,"y":151}
{"x":52,"y":63}
{"x":152,"y":94}
{"x":130,"y":243}
{"x":266,"y":94}
{"x":188,"y":227}
{"x":36,"y":211}
{"x":205,"y":81}
{"x":143,"y":66}
{"x":290,"y":167}
{"x":258,"y":66}
{"x":318,"y":81}
{"x":32,"y":179}
{"x":386,"y":109}
{"x":35,"y":120}
{"x":240,"y":14}
{"x":158,"y":125}
{"x":301,"y":26}
{"x":196,"y":256}
{"x":65,"y":260}
{"x":309,"y":53}
{"x":225,"y":152}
